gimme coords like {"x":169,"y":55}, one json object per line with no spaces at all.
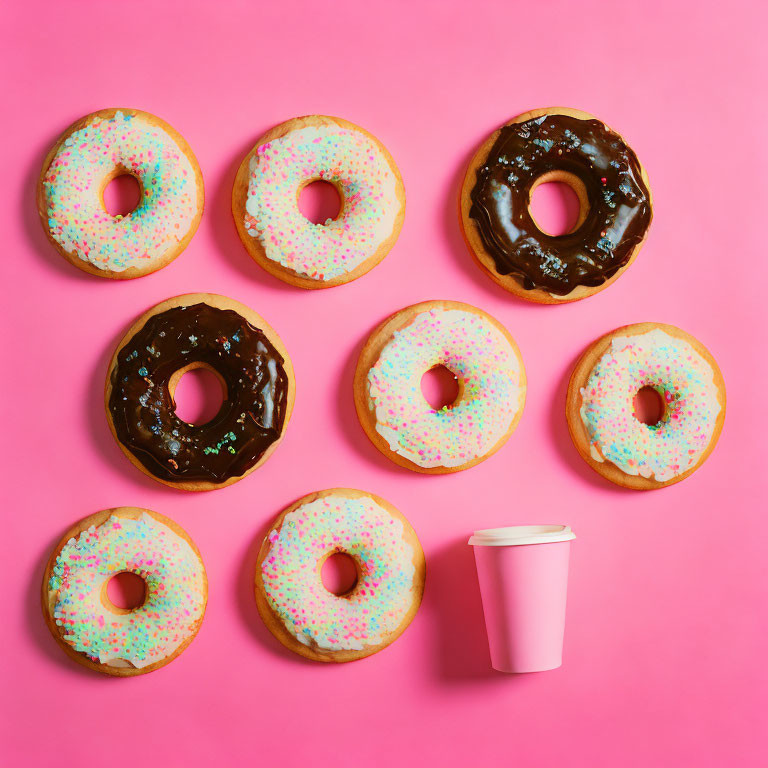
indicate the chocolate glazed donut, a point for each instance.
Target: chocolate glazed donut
{"x":248,"y":358}
{"x":614,"y":196}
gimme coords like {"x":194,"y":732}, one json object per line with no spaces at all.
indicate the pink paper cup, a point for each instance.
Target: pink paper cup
{"x":523,"y":575}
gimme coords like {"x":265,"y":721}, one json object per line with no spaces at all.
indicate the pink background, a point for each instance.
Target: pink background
{"x":665,"y":639}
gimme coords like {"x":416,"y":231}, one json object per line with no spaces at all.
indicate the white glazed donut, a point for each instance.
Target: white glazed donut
{"x":276,"y":233}
{"x":600,"y":406}
{"x":114,"y":640}
{"x":291,"y":597}
{"x":93,"y":151}
{"x":480,"y":353}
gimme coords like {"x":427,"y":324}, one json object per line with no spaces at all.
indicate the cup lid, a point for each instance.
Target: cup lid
{"x":521,"y":534}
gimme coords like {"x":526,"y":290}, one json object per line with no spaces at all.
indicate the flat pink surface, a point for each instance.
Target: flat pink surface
{"x":665,"y":640}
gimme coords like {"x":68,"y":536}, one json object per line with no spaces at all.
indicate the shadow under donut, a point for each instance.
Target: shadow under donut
{"x":33,"y":227}
{"x":107,"y":447}
{"x":561,"y":437}
{"x":35,"y":624}
{"x":458,"y":247}
{"x":346,"y":413}
{"x":222,"y":228}
{"x":246,"y":603}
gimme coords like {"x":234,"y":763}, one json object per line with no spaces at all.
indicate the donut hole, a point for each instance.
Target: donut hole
{"x":319,"y":201}
{"x":558,"y":203}
{"x":649,"y":406}
{"x":121,"y":195}
{"x":440,"y":387}
{"x":125,"y":592}
{"x":198,"y":393}
{"x":339,"y":573}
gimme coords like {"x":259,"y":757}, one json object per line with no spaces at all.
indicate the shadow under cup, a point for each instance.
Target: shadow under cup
{"x":523,"y":576}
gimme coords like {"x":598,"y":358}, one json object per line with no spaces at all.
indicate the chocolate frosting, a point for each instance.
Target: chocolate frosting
{"x":619,"y":203}
{"x":250,"y":419}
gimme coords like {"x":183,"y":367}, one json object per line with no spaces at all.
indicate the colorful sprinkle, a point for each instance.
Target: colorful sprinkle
{"x":490,"y":376}
{"x":355,"y":165}
{"x":174,"y":577}
{"x":685,"y":381}
{"x":77,"y":219}
{"x":383,"y":595}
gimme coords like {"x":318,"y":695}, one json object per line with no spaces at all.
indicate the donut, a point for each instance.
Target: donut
{"x":480,"y":353}
{"x":316,"y":623}
{"x":124,"y":641}
{"x":199,"y":330}
{"x":600,"y":409}
{"x":555,"y":145}
{"x":87,"y":156}
{"x":275,"y":232}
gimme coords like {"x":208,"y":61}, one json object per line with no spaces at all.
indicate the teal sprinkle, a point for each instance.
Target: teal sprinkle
{"x":172,"y":574}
